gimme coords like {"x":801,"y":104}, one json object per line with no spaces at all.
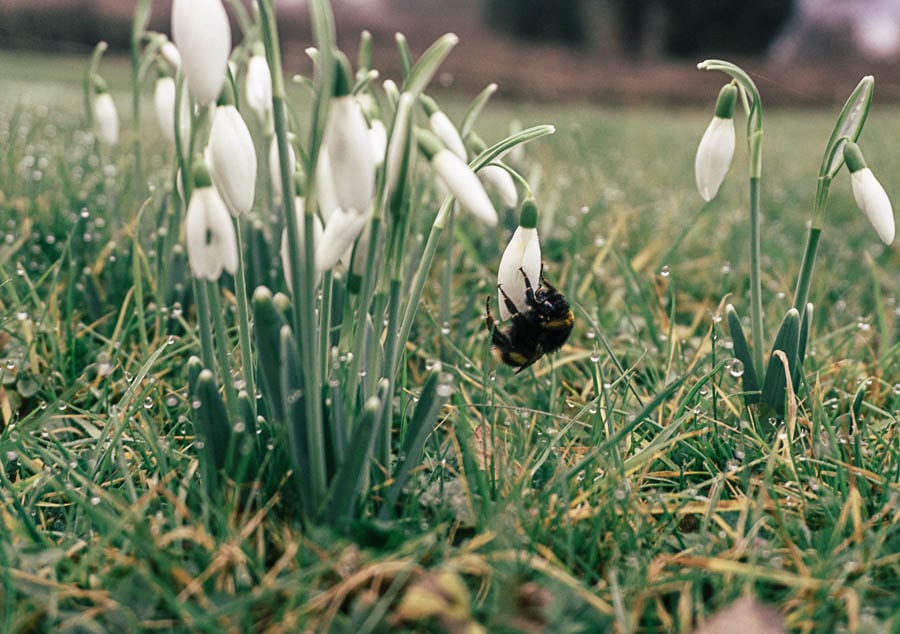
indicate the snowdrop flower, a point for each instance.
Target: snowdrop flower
{"x":169,"y":52}
{"x":348,"y":148}
{"x":211,"y":242}
{"x":341,"y":231}
{"x":716,"y":148}
{"x":106,"y":117}
{"x":202,"y":33}
{"x":275,"y":166}
{"x":378,"y":140}
{"x":443,"y":128}
{"x":258,"y":86}
{"x":869,"y":194}
{"x":232,"y":158}
{"x":522,"y":253}
{"x":458,"y":177}
{"x":299,"y":207}
{"x":164,"y":107}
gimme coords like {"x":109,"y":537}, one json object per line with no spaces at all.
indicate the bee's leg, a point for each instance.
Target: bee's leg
{"x":529,"y":291}
{"x":510,"y":306}
{"x":488,"y":317}
{"x":548,"y":285}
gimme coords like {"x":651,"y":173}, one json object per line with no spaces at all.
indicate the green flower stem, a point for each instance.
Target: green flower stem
{"x":141,"y":14}
{"x":222,"y":347}
{"x":243,"y":309}
{"x":89,"y":73}
{"x":801,"y":294}
{"x":303,"y":281}
{"x":139,"y":283}
{"x":204,"y":319}
{"x":364,"y":302}
{"x":756,"y":311}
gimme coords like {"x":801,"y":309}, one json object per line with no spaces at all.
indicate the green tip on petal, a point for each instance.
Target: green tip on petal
{"x":99,"y":85}
{"x":429,"y":105}
{"x":428,"y":143}
{"x":200,"y":173}
{"x":726,"y":101}
{"x":343,"y":78}
{"x":476,"y":143}
{"x":853,"y":157}
{"x":528,"y":214}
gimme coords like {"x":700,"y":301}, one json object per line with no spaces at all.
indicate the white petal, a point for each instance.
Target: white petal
{"x":210,"y":236}
{"x":325,"y":192}
{"x":714,"y":156}
{"x":522,"y":252}
{"x":258,"y":85}
{"x":378,"y":141}
{"x":106,"y":118}
{"x":202,"y":33}
{"x":341,"y":230}
{"x":349,"y":149}
{"x":874,"y":203}
{"x":299,"y":208}
{"x":502,"y":182}
{"x":170,"y":53}
{"x":232,"y":159}
{"x":164,"y":106}
{"x":444,"y":130}
{"x":462,"y":183}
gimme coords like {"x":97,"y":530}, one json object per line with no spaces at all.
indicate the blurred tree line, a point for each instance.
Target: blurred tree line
{"x":688,"y":27}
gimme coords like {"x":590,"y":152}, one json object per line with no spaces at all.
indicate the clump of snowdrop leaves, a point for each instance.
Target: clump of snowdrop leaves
{"x":870,"y":196}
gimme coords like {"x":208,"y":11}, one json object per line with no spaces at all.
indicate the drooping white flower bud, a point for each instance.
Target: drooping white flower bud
{"x":523,"y":253}
{"x":378,"y":140}
{"x":202,"y":33}
{"x":258,"y":86}
{"x":169,"y":52}
{"x":211,"y":242}
{"x":458,"y":177}
{"x":232,"y":159}
{"x":495,"y":175}
{"x":870,"y":196}
{"x":716,"y":148}
{"x":348,"y":148}
{"x":106,"y":117}
{"x":299,"y":207}
{"x":443,"y":128}
{"x":341,"y":230}
{"x":164,"y":107}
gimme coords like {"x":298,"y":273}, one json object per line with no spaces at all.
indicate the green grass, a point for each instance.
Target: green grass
{"x":572,"y":497}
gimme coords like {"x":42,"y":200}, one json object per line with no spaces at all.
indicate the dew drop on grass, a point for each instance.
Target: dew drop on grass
{"x":172,"y":401}
{"x":196,"y":404}
{"x":737,"y":368}
{"x":148,"y":402}
{"x":171,"y":340}
{"x":445,"y":328}
{"x":590,"y":334}
{"x":239,"y":427}
{"x":11,"y":455}
{"x":62,"y":407}
{"x":95,"y":501}
{"x":595,"y":357}
{"x":897,"y":389}
{"x":665,"y":271}
{"x":22,"y":315}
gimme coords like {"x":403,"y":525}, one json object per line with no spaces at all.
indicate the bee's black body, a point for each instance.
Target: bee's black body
{"x":543,"y":328}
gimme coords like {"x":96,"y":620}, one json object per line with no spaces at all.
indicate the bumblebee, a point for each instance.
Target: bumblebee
{"x":543,"y":328}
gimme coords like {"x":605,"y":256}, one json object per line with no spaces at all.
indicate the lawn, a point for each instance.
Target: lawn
{"x":618,"y":485}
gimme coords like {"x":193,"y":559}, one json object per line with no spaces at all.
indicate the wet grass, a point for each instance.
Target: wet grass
{"x":627,"y":489}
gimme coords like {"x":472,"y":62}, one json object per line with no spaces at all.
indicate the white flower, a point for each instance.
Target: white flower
{"x":326,"y":195}
{"x":211,"y":242}
{"x":398,"y":144}
{"x":170,"y":53}
{"x":299,"y":208}
{"x":874,"y":203}
{"x":232,"y":159}
{"x":464,"y":184}
{"x":164,"y":106}
{"x":258,"y":85}
{"x":522,"y":253}
{"x":502,"y":183}
{"x":348,"y":147}
{"x":275,"y":166}
{"x":870,"y":196}
{"x":106,"y":118}
{"x":714,"y":156}
{"x":444,"y":130}
{"x":202,"y":33}
{"x":378,"y":140}
{"x":341,"y":230}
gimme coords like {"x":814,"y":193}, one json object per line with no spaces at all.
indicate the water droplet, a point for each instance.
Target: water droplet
{"x":95,"y":500}
{"x":665,"y":271}
{"x":148,"y":402}
{"x":445,"y":328}
{"x":62,"y":407}
{"x":239,"y":427}
{"x":737,"y":368}
{"x":595,"y":357}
